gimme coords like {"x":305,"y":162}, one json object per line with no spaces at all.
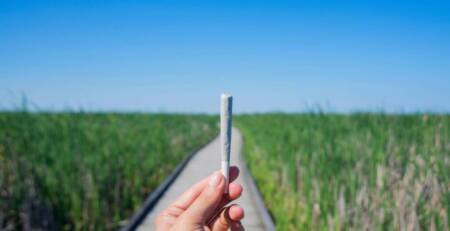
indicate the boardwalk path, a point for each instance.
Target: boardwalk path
{"x":201,"y":165}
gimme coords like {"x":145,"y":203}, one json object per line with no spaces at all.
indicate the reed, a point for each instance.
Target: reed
{"x":351,"y":172}
{"x":85,"y":171}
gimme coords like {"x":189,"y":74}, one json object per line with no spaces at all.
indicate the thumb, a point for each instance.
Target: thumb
{"x":205,"y":205}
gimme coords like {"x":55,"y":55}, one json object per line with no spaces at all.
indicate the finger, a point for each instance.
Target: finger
{"x":189,"y":196}
{"x":227,"y":218}
{"x":236,"y":212}
{"x":168,"y":215}
{"x":234,"y":173}
{"x":237,"y":226}
{"x":204,"y":206}
{"x":234,"y":192}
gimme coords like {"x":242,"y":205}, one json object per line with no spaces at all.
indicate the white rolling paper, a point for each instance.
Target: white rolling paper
{"x":226,"y":104}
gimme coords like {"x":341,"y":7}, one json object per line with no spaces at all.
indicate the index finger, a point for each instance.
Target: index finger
{"x":189,"y":196}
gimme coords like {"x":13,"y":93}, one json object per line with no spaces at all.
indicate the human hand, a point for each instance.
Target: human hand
{"x":203,"y":207}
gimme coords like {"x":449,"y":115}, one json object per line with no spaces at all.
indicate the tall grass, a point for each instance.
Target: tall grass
{"x":78,"y":171}
{"x":351,"y":172}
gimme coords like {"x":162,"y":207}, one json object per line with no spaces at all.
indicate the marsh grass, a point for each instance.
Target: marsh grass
{"x":351,"y":172}
{"x":84,"y":171}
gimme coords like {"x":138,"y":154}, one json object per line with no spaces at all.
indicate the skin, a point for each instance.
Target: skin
{"x":204,"y":207}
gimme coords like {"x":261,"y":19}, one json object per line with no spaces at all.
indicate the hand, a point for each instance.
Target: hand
{"x":203,"y":207}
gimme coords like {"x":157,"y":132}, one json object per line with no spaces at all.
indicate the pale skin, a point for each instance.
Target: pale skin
{"x":204,"y":207}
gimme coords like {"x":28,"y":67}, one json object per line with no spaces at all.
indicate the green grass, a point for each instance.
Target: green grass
{"x":351,"y":172}
{"x":78,"y":171}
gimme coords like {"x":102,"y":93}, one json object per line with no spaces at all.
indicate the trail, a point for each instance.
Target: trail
{"x":202,"y":164}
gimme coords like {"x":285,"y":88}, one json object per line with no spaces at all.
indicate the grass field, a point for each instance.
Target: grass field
{"x":76,"y":171}
{"x":351,"y":172}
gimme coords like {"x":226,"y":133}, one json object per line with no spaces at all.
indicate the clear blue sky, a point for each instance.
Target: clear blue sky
{"x":178,"y":56}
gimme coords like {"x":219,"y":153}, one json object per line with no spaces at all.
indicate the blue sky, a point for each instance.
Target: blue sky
{"x":178,"y":56}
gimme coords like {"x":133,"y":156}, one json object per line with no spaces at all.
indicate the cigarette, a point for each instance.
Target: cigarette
{"x":226,"y":106}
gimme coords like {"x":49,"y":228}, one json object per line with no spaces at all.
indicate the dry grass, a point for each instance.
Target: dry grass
{"x":356,"y":172}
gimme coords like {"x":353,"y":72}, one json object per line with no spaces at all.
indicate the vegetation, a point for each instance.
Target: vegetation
{"x":78,"y":171}
{"x":84,"y":171}
{"x":351,"y":172}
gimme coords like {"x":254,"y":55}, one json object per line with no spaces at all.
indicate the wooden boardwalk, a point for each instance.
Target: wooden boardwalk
{"x":202,"y":164}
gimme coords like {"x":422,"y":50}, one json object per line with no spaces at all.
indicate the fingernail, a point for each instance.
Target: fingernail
{"x":215,"y":179}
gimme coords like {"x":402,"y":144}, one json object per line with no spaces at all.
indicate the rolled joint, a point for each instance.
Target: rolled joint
{"x":226,"y":174}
